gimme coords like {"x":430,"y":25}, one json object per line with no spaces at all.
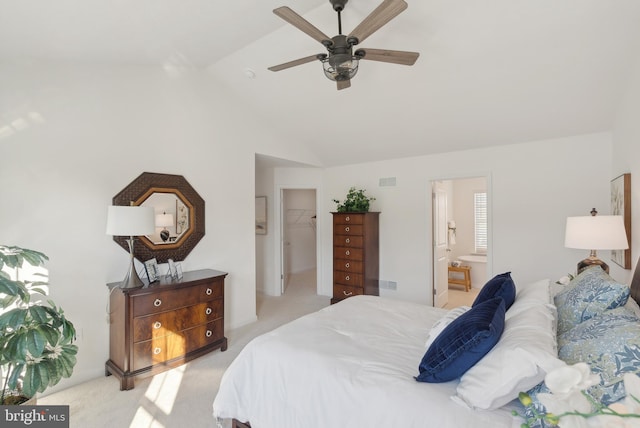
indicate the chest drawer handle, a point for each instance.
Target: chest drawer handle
{"x":156,"y":351}
{"x":157,"y":325}
{"x":347,"y":278}
{"x":347,"y":240}
{"x":350,"y":293}
{"x":209,"y":333}
{"x":347,"y":218}
{"x":209,"y":291}
{"x":346,"y":229}
{"x":348,"y":253}
{"x":347,"y":265}
{"x":208,"y":311}
{"x":157,"y":302}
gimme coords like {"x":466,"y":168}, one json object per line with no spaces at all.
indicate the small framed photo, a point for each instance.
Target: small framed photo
{"x":178,"y":271}
{"x":151,"y":266}
{"x":173,"y":273}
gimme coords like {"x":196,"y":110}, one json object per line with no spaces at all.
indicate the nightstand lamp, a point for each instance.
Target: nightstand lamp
{"x":595,"y":232}
{"x":164,"y":220}
{"x":130,"y":221}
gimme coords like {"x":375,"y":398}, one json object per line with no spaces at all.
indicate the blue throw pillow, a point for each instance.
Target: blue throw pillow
{"x":499,"y":286}
{"x":589,"y":294}
{"x":463,"y":343}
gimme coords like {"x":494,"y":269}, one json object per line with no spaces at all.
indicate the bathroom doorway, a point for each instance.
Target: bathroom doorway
{"x":461,"y":231}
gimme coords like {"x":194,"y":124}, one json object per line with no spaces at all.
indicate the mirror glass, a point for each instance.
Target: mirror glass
{"x":172,"y":217}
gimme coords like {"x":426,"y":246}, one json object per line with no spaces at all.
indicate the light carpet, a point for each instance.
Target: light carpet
{"x":182,"y":397}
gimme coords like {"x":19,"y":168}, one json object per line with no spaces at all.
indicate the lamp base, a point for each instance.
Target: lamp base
{"x":132,"y":280}
{"x":592,"y":261}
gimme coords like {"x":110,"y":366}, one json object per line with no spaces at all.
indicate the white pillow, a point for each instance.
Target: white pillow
{"x":527,"y":350}
{"x":443,"y":322}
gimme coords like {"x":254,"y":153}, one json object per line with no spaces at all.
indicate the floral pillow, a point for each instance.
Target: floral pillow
{"x":610,"y":344}
{"x":590,"y":293}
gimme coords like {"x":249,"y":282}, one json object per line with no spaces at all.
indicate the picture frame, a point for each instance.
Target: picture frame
{"x":151,"y":267}
{"x":173,"y":273}
{"x":179,"y":273}
{"x":261,"y":215}
{"x":621,"y":205}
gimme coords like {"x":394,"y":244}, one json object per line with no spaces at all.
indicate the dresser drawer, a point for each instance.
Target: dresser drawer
{"x":343,"y":291}
{"x":164,"y":323}
{"x":348,"y":253}
{"x":346,"y":278}
{"x":348,"y":241}
{"x":161,"y":301}
{"x":347,"y":266}
{"x":349,"y":218}
{"x":165,"y":348}
{"x":348,"y":229}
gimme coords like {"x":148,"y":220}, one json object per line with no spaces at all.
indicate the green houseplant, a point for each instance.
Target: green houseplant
{"x":356,"y":201}
{"x":36,"y":340}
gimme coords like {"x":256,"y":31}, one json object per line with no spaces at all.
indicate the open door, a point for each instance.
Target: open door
{"x":439,"y":233}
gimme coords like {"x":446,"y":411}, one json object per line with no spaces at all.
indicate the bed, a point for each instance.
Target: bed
{"x":355,"y":363}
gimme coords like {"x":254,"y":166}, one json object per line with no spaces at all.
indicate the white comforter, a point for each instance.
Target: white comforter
{"x":349,"y":365}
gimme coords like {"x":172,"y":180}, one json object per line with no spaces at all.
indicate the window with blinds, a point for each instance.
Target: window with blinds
{"x":480,"y":215}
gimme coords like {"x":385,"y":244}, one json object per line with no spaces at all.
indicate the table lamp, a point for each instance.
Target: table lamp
{"x":164,"y":220}
{"x":595,"y":232}
{"x":130,"y":221}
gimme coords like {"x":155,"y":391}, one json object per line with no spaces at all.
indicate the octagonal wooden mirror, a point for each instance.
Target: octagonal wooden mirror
{"x":179,"y":214}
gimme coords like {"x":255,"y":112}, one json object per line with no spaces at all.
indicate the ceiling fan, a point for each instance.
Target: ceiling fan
{"x":340,"y":64}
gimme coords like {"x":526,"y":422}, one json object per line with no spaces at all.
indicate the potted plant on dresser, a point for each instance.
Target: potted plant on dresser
{"x":36,"y":340}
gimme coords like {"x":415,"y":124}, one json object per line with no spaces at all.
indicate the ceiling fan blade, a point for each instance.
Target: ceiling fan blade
{"x":384,"y":13}
{"x":385,"y":55}
{"x":344,"y":84}
{"x":294,"y":63}
{"x":300,"y":23}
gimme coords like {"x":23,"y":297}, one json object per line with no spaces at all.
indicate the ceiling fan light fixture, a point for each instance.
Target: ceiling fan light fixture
{"x":340,"y":67}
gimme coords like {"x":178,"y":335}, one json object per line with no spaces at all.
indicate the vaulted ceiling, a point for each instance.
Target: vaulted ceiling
{"x":490,"y":72}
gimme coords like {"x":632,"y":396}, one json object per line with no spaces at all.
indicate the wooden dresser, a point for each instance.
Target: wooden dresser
{"x":164,"y":324}
{"x":356,"y":255}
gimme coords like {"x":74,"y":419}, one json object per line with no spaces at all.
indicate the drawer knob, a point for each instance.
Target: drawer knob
{"x":156,"y":351}
{"x":346,"y":229}
{"x":157,"y":302}
{"x":209,"y":333}
{"x":347,"y":240}
{"x":347,"y":218}
{"x":157,"y":325}
{"x":350,"y":293}
{"x":348,"y":253}
{"x":208,"y":311}
{"x":209,"y":291}
{"x":347,"y":265}
{"x":347,"y":278}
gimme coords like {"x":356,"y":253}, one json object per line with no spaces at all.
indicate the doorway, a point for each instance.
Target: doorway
{"x":298,"y":241}
{"x":461,"y":231}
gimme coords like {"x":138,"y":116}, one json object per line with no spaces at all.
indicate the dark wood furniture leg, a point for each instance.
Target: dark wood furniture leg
{"x":238,"y":424}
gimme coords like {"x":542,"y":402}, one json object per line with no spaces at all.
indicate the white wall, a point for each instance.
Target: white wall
{"x":71,"y":137}
{"x":534,"y":187}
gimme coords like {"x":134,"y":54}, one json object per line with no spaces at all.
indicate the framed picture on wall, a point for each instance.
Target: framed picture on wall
{"x":621,"y":205}
{"x":261,"y":215}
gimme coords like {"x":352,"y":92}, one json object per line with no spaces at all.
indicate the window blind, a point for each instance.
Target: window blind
{"x":480,"y":215}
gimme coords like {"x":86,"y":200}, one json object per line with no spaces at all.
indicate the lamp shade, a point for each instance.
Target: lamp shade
{"x":130,"y":220}
{"x":600,"y":232}
{"x":164,"y":220}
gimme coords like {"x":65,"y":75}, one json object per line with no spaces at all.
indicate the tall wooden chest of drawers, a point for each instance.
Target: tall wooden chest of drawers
{"x":164,"y":324}
{"x":356,"y":255}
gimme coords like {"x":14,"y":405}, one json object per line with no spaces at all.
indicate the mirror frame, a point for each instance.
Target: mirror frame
{"x":139,"y":190}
